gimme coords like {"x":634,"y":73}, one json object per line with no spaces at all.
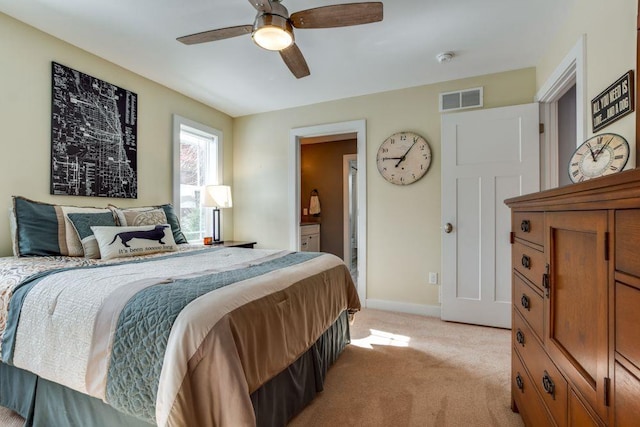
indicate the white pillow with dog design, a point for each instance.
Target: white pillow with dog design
{"x":116,"y":242}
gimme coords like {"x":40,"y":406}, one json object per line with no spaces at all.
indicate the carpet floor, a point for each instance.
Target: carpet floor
{"x":406,"y":370}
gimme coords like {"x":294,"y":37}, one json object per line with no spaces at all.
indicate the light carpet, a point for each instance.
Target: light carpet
{"x":407,"y":370}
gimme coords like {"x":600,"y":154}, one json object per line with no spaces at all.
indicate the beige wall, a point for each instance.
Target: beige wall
{"x":610,"y":29}
{"x":403,"y":236}
{"x":25,"y":114}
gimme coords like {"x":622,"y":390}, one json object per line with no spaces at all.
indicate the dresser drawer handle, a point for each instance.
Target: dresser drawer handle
{"x":520,"y":337}
{"x":526,"y":262}
{"x":548,"y":385}
{"x":526,"y":303}
{"x":520,"y":382}
{"x":525,"y":226}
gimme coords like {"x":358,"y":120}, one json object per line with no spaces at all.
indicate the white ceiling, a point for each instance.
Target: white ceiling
{"x":239,"y":78}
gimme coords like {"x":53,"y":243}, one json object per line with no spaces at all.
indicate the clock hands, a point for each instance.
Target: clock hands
{"x":391,"y":158}
{"x":406,"y":152}
{"x":603,"y":147}
{"x":593,"y":156}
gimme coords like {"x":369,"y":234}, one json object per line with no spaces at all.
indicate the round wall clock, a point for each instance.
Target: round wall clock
{"x":599,"y":155}
{"x":403,"y":158}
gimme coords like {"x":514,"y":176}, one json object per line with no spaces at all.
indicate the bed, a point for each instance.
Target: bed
{"x":200,"y":336}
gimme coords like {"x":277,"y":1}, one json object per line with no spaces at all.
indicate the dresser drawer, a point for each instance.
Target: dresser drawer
{"x":529,"y":226}
{"x":530,"y":303}
{"x":626,"y":241}
{"x":306,"y":230}
{"x":529,"y":262}
{"x":627,"y":322}
{"x":550,"y":383}
{"x":525,"y":396}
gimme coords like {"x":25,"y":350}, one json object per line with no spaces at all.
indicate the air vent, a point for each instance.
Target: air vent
{"x":461,"y":99}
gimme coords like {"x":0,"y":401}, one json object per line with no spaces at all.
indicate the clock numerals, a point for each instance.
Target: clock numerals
{"x":598,"y":156}
{"x":403,"y":158}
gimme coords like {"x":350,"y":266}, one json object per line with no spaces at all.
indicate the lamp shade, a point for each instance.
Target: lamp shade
{"x":217,"y":196}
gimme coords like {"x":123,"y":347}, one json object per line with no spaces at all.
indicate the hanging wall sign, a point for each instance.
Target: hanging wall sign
{"x":613,"y":103}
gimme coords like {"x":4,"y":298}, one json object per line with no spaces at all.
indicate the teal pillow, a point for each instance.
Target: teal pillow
{"x":36,"y":228}
{"x":83,"y":222}
{"x":174,"y":222}
{"x":45,"y":229}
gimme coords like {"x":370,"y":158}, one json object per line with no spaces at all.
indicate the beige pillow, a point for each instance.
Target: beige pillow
{"x":140,"y":216}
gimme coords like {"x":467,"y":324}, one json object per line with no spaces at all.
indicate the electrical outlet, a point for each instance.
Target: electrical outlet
{"x":433,"y":278}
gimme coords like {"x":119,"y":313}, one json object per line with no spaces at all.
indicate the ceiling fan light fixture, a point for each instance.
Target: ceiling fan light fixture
{"x":272,"y":32}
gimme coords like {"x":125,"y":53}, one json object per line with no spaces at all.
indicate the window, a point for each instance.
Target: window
{"x":197,"y":161}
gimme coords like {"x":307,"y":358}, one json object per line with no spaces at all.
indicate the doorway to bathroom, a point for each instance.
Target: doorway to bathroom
{"x":300,"y":199}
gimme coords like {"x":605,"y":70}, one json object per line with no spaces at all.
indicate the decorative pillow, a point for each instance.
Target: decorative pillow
{"x":171,"y":218}
{"x":45,"y":229}
{"x":140,"y":216}
{"x":82,"y":224}
{"x":115,"y":242}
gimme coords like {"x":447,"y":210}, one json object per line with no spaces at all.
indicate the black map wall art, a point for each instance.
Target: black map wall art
{"x":93,"y":136}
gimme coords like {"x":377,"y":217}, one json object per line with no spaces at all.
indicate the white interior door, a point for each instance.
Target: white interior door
{"x":487,"y":156}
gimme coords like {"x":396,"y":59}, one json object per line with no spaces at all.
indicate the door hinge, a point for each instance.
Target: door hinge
{"x":606,"y":246}
{"x":541,"y":127}
{"x":607,"y":386}
{"x":512,"y":237}
{"x":546,"y":282}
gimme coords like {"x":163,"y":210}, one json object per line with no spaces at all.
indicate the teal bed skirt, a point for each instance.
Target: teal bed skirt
{"x":44,"y":404}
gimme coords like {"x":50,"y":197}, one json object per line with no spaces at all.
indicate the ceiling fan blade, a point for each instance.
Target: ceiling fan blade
{"x":261,"y":5}
{"x":213,"y":35}
{"x":339,"y":15}
{"x":295,"y":61}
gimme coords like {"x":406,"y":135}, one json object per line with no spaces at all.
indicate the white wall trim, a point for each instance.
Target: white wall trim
{"x":177,"y":121}
{"x":571,"y":70}
{"x":346,"y":239}
{"x":360,"y":128}
{"x":404,"y":307}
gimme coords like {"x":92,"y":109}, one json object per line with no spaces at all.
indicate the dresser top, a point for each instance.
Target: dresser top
{"x":621,"y":190}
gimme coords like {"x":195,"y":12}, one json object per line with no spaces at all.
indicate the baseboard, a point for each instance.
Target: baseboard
{"x":404,"y":307}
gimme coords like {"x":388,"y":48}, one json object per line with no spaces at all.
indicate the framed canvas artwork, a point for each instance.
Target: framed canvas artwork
{"x":93,"y":136}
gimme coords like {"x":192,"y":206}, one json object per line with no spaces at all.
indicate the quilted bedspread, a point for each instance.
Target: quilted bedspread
{"x":179,"y":339}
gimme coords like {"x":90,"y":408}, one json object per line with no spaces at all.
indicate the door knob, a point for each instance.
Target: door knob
{"x":448,"y":228}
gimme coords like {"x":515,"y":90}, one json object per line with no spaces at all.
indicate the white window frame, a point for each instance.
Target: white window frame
{"x":178,"y":122}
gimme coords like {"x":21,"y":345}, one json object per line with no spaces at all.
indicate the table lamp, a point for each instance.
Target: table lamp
{"x":217,"y":197}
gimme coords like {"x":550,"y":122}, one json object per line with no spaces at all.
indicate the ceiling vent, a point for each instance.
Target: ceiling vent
{"x":461,"y":99}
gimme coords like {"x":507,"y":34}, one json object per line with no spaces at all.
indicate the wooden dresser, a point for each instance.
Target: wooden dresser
{"x":576,"y":304}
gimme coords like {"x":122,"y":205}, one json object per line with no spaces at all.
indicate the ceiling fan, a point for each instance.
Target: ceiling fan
{"x":273,"y":27}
